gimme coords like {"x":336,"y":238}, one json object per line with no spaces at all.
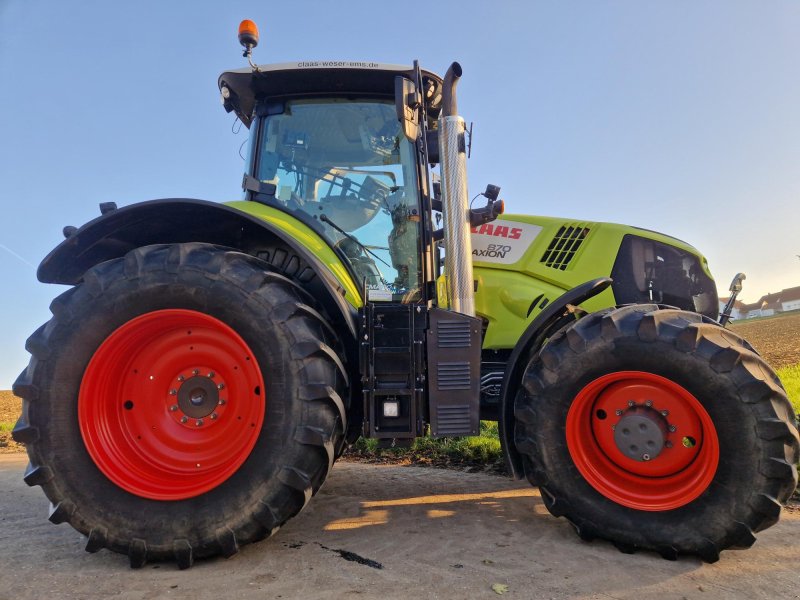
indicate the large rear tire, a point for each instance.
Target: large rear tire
{"x":183,"y":401}
{"x":657,"y":429}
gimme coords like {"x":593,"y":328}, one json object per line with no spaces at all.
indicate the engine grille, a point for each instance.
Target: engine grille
{"x":565,"y":245}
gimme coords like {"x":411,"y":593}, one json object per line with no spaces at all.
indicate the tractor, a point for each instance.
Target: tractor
{"x":211,"y":361}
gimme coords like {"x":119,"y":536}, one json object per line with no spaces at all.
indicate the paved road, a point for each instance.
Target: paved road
{"x":391,"y":532}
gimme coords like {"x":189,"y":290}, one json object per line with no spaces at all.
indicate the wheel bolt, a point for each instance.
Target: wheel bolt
{"x":631,"y":403}
{"x":648,"y":403}
{"x":199,"y":423}
{"x":173,"y":392}
{"x":173,"y":408}
{"x":211,"y":374}
{"x":618,"y":412}
{"x":181,"y":378}
{"x":645,"y":457}
{"x":664,"y":413}
{"x":668,"y":444}
{"x":196,"y":372}
{"x":613,"y":428}
{"x":184,"y":419}
{"x":673,"y":429}
{"x":214,"y":416}
{"x":222,"y":402}
{"x":220,"y":386}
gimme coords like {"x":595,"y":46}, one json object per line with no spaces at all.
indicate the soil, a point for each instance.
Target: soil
{"x":391,"y":532}
{"x":777,"y":339}
{"x":10,"y":408}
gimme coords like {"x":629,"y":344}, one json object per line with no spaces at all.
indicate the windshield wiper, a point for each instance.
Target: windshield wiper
{"x":325,"y":219}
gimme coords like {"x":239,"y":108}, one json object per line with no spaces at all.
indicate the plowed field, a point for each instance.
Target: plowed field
{"x":777,"y":339}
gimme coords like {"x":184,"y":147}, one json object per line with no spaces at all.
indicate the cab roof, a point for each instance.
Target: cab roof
{"x":318,"y":78}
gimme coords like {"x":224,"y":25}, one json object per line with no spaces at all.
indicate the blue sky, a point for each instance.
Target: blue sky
{"x":679,"y":116}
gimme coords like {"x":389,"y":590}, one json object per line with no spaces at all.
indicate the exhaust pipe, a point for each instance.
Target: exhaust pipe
{"x":455,"y":199}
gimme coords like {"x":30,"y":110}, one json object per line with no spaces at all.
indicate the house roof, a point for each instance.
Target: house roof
{"x":738,"y":304}
{"x":776,"y":300}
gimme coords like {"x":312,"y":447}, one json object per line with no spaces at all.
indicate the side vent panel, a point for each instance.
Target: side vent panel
{"x":565,"y":245}
{"x":454,"y":360}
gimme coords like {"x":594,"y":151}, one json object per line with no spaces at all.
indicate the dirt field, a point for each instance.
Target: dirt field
{"x":391,"y":532}
{"x":10,"y":407}
{"x":777,"y":339}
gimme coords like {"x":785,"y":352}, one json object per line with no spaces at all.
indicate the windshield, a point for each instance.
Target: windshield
{"x":346,"y":165}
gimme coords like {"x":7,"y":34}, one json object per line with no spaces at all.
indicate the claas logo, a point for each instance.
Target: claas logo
{"x":512,"y":233}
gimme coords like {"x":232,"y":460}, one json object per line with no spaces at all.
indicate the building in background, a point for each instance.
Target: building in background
{"x":766,"y":306}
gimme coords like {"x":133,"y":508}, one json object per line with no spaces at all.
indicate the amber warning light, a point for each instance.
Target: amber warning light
{"x":248,"y":34}
{"x":248,"y":37}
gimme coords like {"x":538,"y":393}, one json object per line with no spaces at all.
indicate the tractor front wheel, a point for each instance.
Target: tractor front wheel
{"x":657,"y":429}
{"x":183,"y":400}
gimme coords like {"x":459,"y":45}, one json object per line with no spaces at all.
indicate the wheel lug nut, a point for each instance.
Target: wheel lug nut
{"x":645,"y":457}
{"x":196,"y":372}
{"x":173,"y":392}
{"x":618,"y":412}
{"x":211,"y":374}
{"x":181,"y":378}
{"x":631,"y":403}
{"x":173,"y":408}
{"x":199,"y":423}
{"x":220,"y":386}
{"x":184,"y":419}
{"x":664,"y":413}
{"x":214,"y":416}
{"x":648,"y":403}
{"x":668,"y":444}
{"x":673,"y":429}
{"x":613,"y":428}
{"x":222,"y":402}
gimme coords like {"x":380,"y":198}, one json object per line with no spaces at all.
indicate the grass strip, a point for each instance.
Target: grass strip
{"x":790,"y":378}
{"x":481,"y":451}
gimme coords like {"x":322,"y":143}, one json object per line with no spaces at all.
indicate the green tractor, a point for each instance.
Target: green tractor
{"x":211,"y":361}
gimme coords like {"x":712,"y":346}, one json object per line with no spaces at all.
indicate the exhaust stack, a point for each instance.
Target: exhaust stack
{"x":455,"y":199}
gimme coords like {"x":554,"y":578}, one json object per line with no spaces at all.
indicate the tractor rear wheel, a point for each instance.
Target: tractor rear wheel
{"x":657,"y":429}
{"x":182,"y":401}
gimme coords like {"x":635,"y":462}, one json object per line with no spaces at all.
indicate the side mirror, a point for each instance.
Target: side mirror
{"x":407,"y":101}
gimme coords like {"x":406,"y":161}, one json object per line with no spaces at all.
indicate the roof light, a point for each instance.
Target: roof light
{"x":248,"y":34}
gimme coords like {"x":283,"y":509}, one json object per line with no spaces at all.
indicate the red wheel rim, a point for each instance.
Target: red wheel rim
{"x":673,"y":476}
{"x":171,"y":404}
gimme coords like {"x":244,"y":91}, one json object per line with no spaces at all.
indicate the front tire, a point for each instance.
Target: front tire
{"x":183,"y":401}
{"x":657,"y":429}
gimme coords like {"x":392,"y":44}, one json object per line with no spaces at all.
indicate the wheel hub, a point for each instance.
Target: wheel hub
{"x":198,"y":397}
{"x":641,"y":433}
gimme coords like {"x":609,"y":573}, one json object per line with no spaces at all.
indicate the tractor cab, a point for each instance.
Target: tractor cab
{"x":327,"y":146}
